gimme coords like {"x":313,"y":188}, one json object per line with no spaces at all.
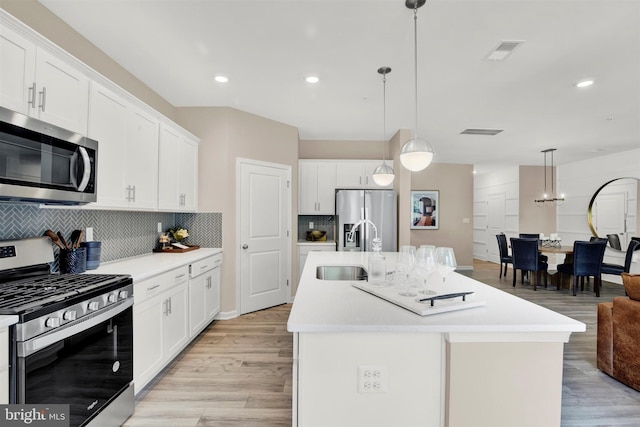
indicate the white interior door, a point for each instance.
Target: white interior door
{"x":496,"y":224}
{"x":264,"y":219}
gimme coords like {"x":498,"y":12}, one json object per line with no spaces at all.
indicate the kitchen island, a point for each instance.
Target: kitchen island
{"x":360,"y":360}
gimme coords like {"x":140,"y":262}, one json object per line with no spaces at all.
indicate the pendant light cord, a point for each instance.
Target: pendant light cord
{"x":384,"y":114}
{"x":415,"y":62}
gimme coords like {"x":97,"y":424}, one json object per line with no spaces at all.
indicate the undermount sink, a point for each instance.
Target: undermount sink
{"x":341,"y":272}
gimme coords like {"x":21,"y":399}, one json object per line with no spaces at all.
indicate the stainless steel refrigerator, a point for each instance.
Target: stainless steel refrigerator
{"x":379,"y":207}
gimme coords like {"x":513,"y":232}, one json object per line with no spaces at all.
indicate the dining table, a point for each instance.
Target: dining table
{"x":557,"y":279}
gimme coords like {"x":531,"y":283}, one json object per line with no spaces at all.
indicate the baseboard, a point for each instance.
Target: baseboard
{"x":226,"y":315}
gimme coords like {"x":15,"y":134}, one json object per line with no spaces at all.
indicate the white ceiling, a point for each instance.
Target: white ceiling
{"x":267,"y":47}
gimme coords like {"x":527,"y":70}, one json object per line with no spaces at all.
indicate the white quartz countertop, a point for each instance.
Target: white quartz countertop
{"x":146,"y":266}
{"x":8,"y":321}
{"x":336,"y":306}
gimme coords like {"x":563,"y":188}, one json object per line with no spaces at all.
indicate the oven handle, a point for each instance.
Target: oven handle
{"x":33,"y":345}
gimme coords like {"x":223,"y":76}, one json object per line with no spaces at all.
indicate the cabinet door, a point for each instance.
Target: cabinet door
{"x":197,"y":303}
{"x":175,"y":323}
{"x":350,"y":175}
{"x":307,"y":188}
{"x":17,"y":71}
{"x":168,"y":195}
{"x":188,"y":178}
{"x":326,"y":184}
{"x":108,"y":125}
{"x":63,"y":93}
{"x":147,"y":341}
{"x":213,"y":294}
{"x":142,"y":160}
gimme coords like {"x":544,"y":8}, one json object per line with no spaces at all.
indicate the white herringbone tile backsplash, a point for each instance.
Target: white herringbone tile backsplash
{"x":123,"y":234}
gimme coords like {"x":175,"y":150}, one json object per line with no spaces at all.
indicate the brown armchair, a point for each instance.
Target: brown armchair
{"x":618,"y":347}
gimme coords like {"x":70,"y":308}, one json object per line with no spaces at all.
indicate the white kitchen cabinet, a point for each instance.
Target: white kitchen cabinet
{"x":160,"y":323}
{"x":316,"y":189}
{"x":4,"y":366}
{"x":357,"y":174}
{"x":305,"y":248}
{"x":35,"y":82}
{"x":204,"y":293}
{"x":178,"y":165}
{"x":128,"y":151}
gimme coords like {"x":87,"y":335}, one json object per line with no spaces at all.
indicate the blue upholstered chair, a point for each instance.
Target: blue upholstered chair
{"x":587,"y":262}
{"x":526,"y":257}
{"x":534,"y":236}
{"x":619,"y":269}
{"x":505,"y":258}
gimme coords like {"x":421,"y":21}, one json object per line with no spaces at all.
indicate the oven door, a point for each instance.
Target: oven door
{"x":86,"y":370}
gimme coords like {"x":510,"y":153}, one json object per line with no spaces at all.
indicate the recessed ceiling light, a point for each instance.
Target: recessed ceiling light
{"x":312,"y":79}
{"x":584,"y":83}
{"x":221,"y":79}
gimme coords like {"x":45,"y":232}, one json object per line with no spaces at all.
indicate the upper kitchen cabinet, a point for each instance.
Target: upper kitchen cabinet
{"x":316,"y":187}
{"x":37,"y":83}
{"x":178,"y":179}
{"x":128,"y":151}
{"x":357,"y":174}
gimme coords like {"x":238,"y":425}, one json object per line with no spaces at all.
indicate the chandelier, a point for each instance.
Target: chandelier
{"x":549,"y":199}
{"x":383,"y":175}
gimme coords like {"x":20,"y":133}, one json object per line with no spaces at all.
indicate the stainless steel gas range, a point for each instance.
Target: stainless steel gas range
{"x":73,"y":343}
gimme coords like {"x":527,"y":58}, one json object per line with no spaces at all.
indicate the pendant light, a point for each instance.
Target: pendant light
{"x":549,"y":199}
{"x":416,"y":154}
{"x":383,"y":175}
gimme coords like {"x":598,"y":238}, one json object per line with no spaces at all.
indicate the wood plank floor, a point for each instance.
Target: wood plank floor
{"x":238,"y":372}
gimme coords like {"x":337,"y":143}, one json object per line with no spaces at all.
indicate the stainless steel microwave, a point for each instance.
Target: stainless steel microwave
{"x":42,"y":163}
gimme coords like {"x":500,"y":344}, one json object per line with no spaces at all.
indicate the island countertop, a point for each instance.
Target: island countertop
{"x":336,"y":306}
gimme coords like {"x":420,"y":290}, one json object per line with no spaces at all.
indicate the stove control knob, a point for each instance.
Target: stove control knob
{"x":69,"y":315}
{"x":94,"y":305}
{"x":52,"y":322}
{"x":123,"y":294}
{"x":112,"y":298}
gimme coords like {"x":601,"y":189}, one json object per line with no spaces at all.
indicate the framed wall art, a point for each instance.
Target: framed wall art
{"x":424,"y":209}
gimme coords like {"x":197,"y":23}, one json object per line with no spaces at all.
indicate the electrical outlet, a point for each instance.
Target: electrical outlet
{"x":88,"y":234}
{"x":310,"y":225}
{"x":159,"y":227}
{"x":373,"y":379}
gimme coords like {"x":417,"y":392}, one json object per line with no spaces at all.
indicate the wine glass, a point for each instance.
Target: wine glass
{"x":445,"y":261}
{"x":425,"y":266}
{"x":404,"y":267}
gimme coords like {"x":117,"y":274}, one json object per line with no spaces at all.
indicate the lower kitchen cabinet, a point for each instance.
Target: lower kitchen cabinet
{"x":160,"y":323}
{"x":4,"y":366}
{"x":204,"y":293}
{"x":305,"y":248}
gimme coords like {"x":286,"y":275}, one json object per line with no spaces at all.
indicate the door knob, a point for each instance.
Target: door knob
{"x":245,"y":246}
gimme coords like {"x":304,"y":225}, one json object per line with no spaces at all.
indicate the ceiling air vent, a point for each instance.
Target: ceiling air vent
{"x":504,"y":49}
{"x":490,"y":132}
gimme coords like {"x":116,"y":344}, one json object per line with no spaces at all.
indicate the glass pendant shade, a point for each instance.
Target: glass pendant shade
{"x":416,"y":154}
{"x":383,"y":175}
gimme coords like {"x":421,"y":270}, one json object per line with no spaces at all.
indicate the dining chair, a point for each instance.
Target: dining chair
{"x":587,"y":262}
{"x":534,"y":236}
{"x":526,"y":258}
{"x":614,"y":241}
{"x":505,"y":258}
{"x":619,"y":269}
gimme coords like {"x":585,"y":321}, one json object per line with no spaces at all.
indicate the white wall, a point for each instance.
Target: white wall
{"x":505,"y":181}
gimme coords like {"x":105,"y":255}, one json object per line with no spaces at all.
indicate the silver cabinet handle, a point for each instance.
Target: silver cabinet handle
{"x":134,"y":193}
{"x":32,"y":95}
{"x":153,"y":287}
{"x":43,"y":98}
{"x":165,"y":309}
{"x":245,"y":246}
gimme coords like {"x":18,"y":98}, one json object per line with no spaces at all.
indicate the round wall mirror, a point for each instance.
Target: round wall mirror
{"x":613,"y":210}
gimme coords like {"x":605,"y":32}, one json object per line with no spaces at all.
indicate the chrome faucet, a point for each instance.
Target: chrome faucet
{"x":376,"y":242}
